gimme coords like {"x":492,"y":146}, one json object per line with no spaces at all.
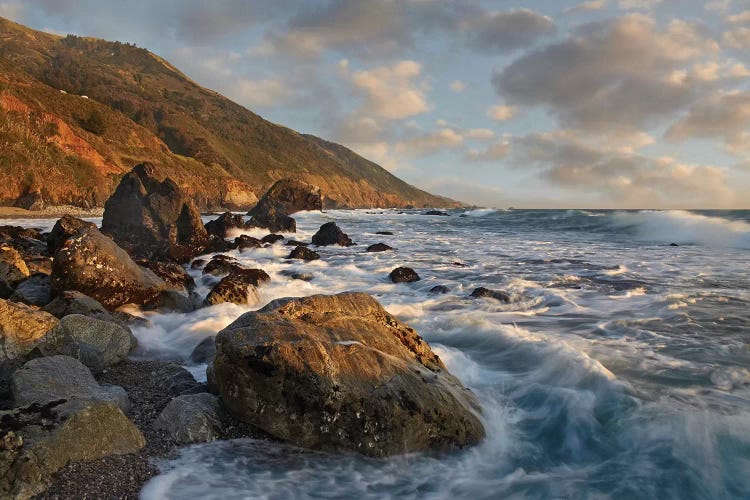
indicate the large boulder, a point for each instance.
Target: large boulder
{"x":66,"y":227}
{"x":38,"y":440}
{"x":331,"y":234}
{"x":93,"y":264}
{"x":303,"y":253}
{"x":499,"y":295}
{"x":226,"y":221}
{"x":21,"y":327}
{"x":154,"y":219}
{"x":113,"y":340}
{"x":34,"y":290}
{"x":339,"y":372}
{"x":238,"y":287}
{"x":61,"y":377}
{"x":13,"y":268}
{"x":284,"y":198}
{"x":75,"y":302}
{"x":404,"y":275}
{"x":192,"y":418}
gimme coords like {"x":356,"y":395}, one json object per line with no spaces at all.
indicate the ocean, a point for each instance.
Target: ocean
{"x":620,"y":369}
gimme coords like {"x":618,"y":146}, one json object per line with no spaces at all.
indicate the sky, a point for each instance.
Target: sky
{"x":547,"y":103}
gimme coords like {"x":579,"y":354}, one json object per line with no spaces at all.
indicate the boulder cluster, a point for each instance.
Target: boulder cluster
{"x":324,"y":372}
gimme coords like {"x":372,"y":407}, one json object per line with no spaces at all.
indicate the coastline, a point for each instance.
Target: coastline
{"x":49,"y":212}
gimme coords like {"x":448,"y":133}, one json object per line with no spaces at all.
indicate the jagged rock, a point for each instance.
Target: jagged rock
{"x":65,"y":228}
{"x":498,"y":295}
{"x":34,"y":290}
{"x":244,"y":241}
{"x":295,"y":243}
{"x":61,"y":377}
{"x":205,"y":351}
{"x":38,"y":440}
{"x":439,"y":289}
{"x":197,"y":263}
{"x":404,"y":275}
{"x":330,"y":234}
{"x":33,"y":200}
{"x":216,"y":244}
{"x":303,"y":253}
{"x":339,"y":372}
{"x":174,"y":274}
{"x":153,"y":219}
{"x":13,"y":268}
{"x":283,"y":199}
{"x":173,"y":300}
{"x":113,"y":340}
{"x":238,"y":287}
{"x":74,"y":302}
{"x":21,"y":327}
{"x":379,"y":247}
{"x":221,"y":264}
{"x":192,"y":418}
{"x":226,"y":221}
{"x":271,"y":238}
{"x":93,"y":264}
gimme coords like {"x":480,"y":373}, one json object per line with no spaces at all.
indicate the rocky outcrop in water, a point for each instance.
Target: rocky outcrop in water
{"x":339,"y":372}
{"x":284,"y":198}
{"x":499,"y":295}
{"x":331,"y":234}
{"x":404,"y":275}
{"x":303,"y":253}
{"x":93,"y":264}
{"x":154,"y":219}
{"x":239,"y":287}
{"x":379,"y":247}
{"x":224,"y":223}
{"x":66,"y":227}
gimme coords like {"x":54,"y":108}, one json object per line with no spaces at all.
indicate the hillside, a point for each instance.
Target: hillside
{"x":67,"y":148}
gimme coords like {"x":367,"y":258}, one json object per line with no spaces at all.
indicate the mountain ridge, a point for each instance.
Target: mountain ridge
{"x":76,"y":113}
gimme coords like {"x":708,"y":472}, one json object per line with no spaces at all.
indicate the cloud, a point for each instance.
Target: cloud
{"x":459,"y":188}
{"x":638,"y":4}
{"x":390,"y":92}
{"x":739,"y":18}
{"x":430,"y":143}
{"x":12,"y":10}
{"x":611,"y":76}
{"x":724,"y":116}
{"x":480,"y":134}
{"x":501,"y":112}
{"x":738,"y":38}
{"x":587,"y":6}
{"x":260,"y":93}
{"x":495,"y":152}
{"x":621,"y":179}
{"x":457,"y":86}
{"x":508,"y":29}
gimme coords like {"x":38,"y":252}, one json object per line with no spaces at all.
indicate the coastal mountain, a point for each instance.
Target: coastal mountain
{"x":77,"y":113}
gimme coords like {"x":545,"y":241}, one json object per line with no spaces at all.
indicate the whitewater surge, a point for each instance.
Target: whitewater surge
{"x":620,"y":369}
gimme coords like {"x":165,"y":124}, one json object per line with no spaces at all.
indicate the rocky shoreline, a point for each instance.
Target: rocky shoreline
{"x":331,"y":373}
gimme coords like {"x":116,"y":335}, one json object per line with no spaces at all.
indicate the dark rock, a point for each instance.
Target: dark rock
{"x":303,"y":253}
{"x":437,"y":212}
{"x":153,"y":219}
{"x":192,"y":418}
{"x":171,"y":378}
{"x":46,"y":437}
{"x":221,"y":265}
{"x":239,"y":287}
{"x":205,"y":351}
{"x":32,"y":200}
{"x":226,"y":221}
{"x":385,"y":233}
{"x":8,"y":233}
{"x":34,"y":290}
{"x":65,"y":228}
{"x":339,"y":372}
{"x":330,"y":234}
{"x":94,"y":265}
{"x":244,"y":241}
{"x":272,"y":238}
{"x":379,"y":247}
{"x":197,"y":263}
{"x":61,"y":377}
{"x":174,"y":274}
{"x":458,"y":264}
{"x":673,"y":245}
{"x":216,"y":244}
{"x":295,"y":243}
{"x":439,"y":289}
{"x":113,"y":340}
{"x":283,"y":199}
{"x":298,"y":276}
{"x":404,"y":275}
{"x":74,"y":302}
{"x":492,"y":294}
{"x":173,"y":300}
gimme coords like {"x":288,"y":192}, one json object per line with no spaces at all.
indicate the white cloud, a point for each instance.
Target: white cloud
{"x":430,"y":143}
{"x":260,"y":93}
{"x":738,"y":38}
{"x":638,"y":4}
{"x":502,"y":112}
{"x":391,"y":92}
{"x":587,"y":6}
{"x":480,"y":134}
{"x":739,"y":18}
{"x":496,"y":151}
{"x":458,"y":86}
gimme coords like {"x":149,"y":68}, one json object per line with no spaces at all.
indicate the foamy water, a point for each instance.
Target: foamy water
{"x":620,"y":370}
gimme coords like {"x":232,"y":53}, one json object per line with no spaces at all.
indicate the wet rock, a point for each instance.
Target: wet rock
{"x":303,"y":253}
{"x":13,"y":269}
{"x":330,"y":234}
{"x":404,"y":275}
{"x":439,"y":289}
{"x":284,"y":198}
{"x":384,"y":233}
{"x":238,"y":287}
{"x":205,"y":351}
{"x":113,"y":340}
{"x":339,"y":372}
{"x":498,"y":295}
{"x":295,"y":243}
{"x":192,"y":418}
{"x":437,"y":212}
{"x":197,"y":263}
{"x":40,"y":439}
{"x":66,"y":227}
{"x":74,"y":302}
{"x":93,"y":264}
{"x":61,"y":377}
{"x":171,"y":378}
{"x":272,"y":238}
{"x":244,"y":241}
{"x":154,"y":219}
{"x":34,"y":290}
{"x":297,"y":275}
{"x":174,"y":274}
{"x":221,"y":264}
{"x":673,"y":245}
{"x":224,"y":223}
{"x":216,"y":244}
{"x":379,"y":247}
{"x":173,"y":300}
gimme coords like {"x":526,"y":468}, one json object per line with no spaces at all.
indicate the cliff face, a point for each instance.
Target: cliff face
{"x":67,"y":148}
